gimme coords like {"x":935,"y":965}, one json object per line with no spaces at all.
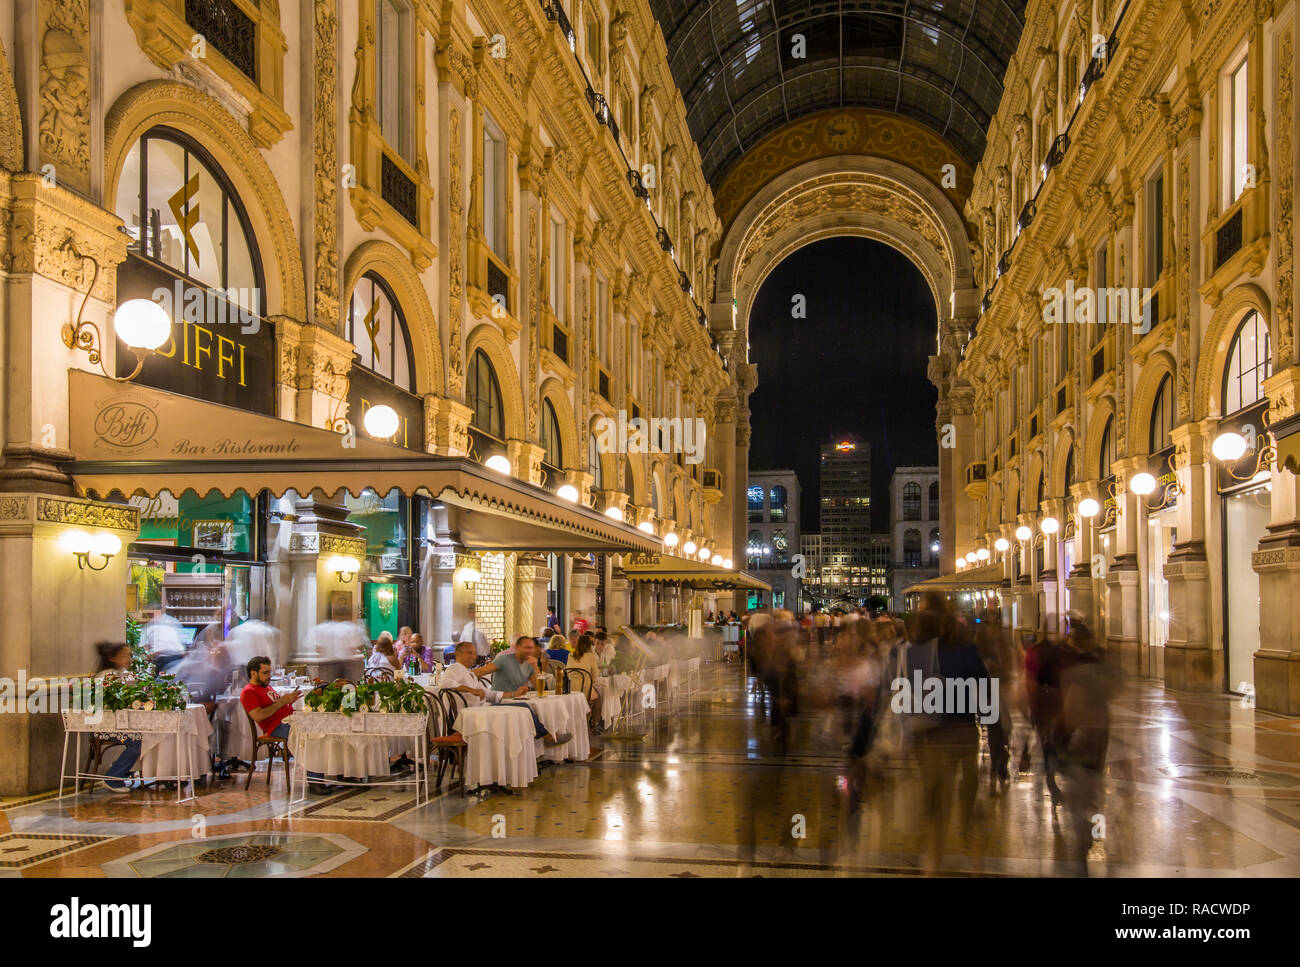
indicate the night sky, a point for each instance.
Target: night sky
{"x":854,"y":366}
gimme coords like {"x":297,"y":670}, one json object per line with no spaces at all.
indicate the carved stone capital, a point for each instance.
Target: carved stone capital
{"x":446,"y":426}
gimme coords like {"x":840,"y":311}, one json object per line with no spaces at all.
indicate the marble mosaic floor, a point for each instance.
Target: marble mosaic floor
{"x":1196,"y":785}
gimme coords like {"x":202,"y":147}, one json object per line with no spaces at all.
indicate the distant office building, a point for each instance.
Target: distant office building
{"x":845,"y":574}
{"x":773,"y":513}
{"x":881,"y":558}
{"x":914,"y":529}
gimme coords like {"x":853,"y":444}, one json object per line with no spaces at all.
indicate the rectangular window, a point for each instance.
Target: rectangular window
{"x":558,"y":260}
{"x":494,"y":189}
{"x":602,"y":321}
{"x":1102,"y":310}
{"x":1236,"y":157}
{"x":1155,"y":226}
{"x":634,"y":360}
{"x":393,"y":80}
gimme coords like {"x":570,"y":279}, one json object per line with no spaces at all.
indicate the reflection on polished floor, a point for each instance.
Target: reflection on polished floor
{"x":1197,"y":786}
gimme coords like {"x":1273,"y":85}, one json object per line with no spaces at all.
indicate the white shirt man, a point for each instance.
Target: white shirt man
{"x":457,"y":675}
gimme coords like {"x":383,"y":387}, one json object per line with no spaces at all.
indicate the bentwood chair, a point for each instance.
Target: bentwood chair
{"x":274,"y":746}
{"x":99,"y":744}
{"x":449,"y":745}
{"x":578,"y":680}
{"x":379,"y":675}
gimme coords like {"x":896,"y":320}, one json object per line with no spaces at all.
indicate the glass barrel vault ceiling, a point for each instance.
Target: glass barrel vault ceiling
{"x":939,"y":62}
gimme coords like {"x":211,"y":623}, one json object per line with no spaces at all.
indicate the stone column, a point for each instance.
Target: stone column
{"x":1052,"y":580}
{"x":1079,"y":582}
{"x":446,"y":426}
{"x":958,"y":430}
{"x":618,"y":598}
{"x":532,"y":577}
{"x":324,"y":360}
{"x":1124,"y":644}
{"x":54,"y":611}
{"x":1277,"y":562}
{"x":1193,"y":662}
{"x":525,"y":460}
{"x":582,"y":587}
{"x":1023,"y":589}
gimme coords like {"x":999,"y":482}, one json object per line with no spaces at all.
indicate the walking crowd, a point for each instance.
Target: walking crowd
{"x":943,"y":697}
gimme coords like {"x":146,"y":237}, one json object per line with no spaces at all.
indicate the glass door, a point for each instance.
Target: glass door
{"x":1245,"y":522}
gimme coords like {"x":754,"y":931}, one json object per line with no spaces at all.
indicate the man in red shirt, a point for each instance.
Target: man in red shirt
{"x":269,"y":709}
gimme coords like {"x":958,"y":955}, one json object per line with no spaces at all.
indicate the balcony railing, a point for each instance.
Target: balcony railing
{"x":498,"y":284}
{"x":1227,"y":240}
{"x":228,"y":29}
{"x":398,"y":190}
{"x":560,"y":343}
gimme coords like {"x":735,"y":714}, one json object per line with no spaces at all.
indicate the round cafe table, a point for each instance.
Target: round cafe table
{"x":563,"y":713}
{"x":158,"y":752}
{"x":500,"y":741}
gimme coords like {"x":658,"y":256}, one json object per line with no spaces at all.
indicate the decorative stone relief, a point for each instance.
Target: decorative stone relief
{"x":63,"y":125}
{"x":325,"y":139}
{"x":455,"y":256}
{"x":1285,"y":169}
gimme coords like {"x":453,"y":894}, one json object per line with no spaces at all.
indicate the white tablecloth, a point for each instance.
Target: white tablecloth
{"x":356,"y":756}
{"x":612,"y":689}
{"x":563,"y":713}
{"x":500,"y":741}
{"x":158,"y":752}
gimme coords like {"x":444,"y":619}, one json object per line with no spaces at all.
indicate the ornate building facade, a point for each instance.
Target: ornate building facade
{"x":488,"y":218}
{"x":1132,"y":234}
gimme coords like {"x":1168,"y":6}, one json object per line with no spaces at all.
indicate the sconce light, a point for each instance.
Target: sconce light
{"x":717,"y":560}
{"x":704,"y":553}
{"x":1001,"y":545}
{"x":646,"y":527}
{"x":670,"y":539}
{"x":1230,"y":447}
{"x":1142,"y":484}
{"x":613,"y":512}
{"x":81,"y":545}
{"x":140,"y":323}
{"x":498,"y":463}
{"x":727,"y":563}
{"x":568,"y":492}
{"x":345,"y":568}
{"x":1023,"y":533}
{"x":1089,"y":508}
{"x":1050,"y":525}
{"x":961,"y":563}
{"x":689,"y":548}
{"x":468,"y":577}
{"x":982,"y":554}
{"x":970,"y":557}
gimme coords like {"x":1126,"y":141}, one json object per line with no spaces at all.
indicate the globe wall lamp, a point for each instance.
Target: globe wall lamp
{"x":81,"y":545}
{"x":982,"y":554}
{"x":689,"y":548}
{"x":143,"y":325}
{"x":344,"y":568}
{"x":568,"y":492}
{"x":498,"y":463}
{"x":1023,"y":533}
{"x":1229,"y":447}
{"x":1089,"y":508}
{"x":1001,"y":545}
{"x":1049,"y":525}
{"x":646,"y":527}
{"x":670,"y":539}
{"x":727,"y":563}
{"x":381,"y":421}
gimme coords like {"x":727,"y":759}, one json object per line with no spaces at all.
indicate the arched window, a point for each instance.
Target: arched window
{"x":1069,"y":471}
{"x":912,"y":547}
{"x":554,"y":455}
{"x":181,"y":212}
{"x":754,"y":547}
{"x":1249,"y":364}
{"x":1107,"y":449}
{"x":483,"y":396}
{"x":1038,"y":494}
{"x":377,"y":331}
{"x":593,"y":463}
{"x":777,"y":498}
{"x":192,"y":250}
{"x":1162,"y":417}
{"x":934,"y":500}
{"x":912,"y":502}
{"x":754,"y":503}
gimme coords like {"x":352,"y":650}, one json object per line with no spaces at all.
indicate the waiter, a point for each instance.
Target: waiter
{"x":472,"y":633}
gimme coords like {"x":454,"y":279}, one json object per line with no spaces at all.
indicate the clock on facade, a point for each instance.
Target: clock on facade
{"x":842,"y":132}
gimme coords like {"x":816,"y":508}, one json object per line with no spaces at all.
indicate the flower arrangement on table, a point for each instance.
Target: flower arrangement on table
{"x":347,"y":697}
{"x":141,"y":688}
